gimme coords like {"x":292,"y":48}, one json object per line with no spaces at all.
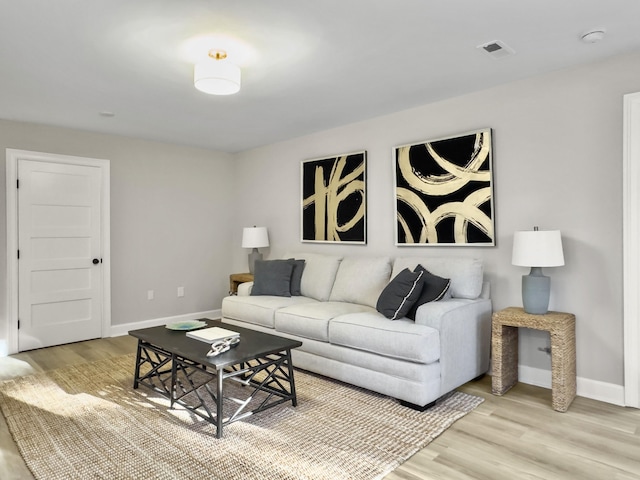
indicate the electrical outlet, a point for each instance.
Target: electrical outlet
{"x":180,"y":291}
{"x":149,"y":294}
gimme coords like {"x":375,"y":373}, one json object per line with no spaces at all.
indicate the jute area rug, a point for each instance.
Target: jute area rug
{"x":87,"y":422}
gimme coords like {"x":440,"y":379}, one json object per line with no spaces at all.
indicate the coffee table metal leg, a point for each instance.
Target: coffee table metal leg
{"x":219,"y":402}
{"x":174,"y":372}
{"x":136,"y":374}
{"x":292,"y":385}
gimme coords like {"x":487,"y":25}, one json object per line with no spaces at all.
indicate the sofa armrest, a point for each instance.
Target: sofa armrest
{"x":465,"y":337}
{"x":244,"y":289}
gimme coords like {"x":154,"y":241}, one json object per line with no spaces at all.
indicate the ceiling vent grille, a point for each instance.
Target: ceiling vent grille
{"x":497,"y":49}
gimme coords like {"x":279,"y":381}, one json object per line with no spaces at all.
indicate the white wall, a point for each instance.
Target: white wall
{"x":170,"y":217}
{"x":557,"y":165}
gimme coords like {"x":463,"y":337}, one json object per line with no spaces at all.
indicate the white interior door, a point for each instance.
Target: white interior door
{"x":59,"y":242}
{"x":631,"y":251}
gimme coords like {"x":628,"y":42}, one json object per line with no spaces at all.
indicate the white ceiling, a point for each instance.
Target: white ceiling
{"x":306,"y":65}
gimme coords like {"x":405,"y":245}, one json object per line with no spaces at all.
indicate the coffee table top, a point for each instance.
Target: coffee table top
{"x":252,"y":344}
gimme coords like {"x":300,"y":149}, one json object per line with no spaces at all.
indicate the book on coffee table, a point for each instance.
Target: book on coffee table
{"x":212,"y":334}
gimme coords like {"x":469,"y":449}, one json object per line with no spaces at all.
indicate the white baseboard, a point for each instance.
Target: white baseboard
{"x":593,"y":389}
{"x":118,"y":330}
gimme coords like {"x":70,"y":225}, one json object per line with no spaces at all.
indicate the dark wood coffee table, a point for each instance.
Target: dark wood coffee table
{"x":177,"y":367}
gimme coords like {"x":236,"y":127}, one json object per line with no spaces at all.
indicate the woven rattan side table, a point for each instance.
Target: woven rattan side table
{"x":236,"y":279}
{"x":504,"y":343}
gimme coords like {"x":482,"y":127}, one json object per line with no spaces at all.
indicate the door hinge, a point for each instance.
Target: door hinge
{"x":18,"y":254}
{"x":18,"y":324}
{"x":17,"y":183}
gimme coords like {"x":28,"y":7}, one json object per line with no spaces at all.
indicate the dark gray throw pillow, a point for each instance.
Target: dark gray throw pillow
{"x":272,"y":277}
{"x":400,"y":294}
{"x":296,"y":276}
{"x":433,"y":289}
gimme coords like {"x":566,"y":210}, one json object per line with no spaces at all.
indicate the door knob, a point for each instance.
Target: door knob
{"x":96,"y":261}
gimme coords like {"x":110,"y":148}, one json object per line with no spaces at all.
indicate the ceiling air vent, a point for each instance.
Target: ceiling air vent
{"x":496,"y":49}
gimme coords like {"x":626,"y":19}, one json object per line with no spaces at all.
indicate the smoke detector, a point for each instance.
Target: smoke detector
{"x":593,"y":36}
{"x":496,"y":49}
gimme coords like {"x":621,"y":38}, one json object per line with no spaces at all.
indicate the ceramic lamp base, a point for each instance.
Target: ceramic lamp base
{"x":535,"y":292}
{"x":253,"y":256}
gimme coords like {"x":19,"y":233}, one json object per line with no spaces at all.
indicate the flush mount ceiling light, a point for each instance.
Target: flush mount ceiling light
{"x":593,"y":36}
{"x":216,"y":75}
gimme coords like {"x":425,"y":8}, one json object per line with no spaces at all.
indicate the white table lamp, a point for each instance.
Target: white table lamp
{"x":537,"y":249}
{"x":255,"y":238}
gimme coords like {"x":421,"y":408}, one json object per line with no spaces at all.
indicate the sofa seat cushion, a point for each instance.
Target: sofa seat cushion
{"x":372,"y":332}
{"x":259,"y":310}
{"x":312,"y":320}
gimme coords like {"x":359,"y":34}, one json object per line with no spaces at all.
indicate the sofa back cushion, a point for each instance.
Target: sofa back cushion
{"x":318,"y":275}
{"x":466,"y":274}
{"x":361,"y":280}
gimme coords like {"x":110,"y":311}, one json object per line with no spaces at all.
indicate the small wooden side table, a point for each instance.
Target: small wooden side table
{"x":504,"y":344}
{"x":236,"y":279}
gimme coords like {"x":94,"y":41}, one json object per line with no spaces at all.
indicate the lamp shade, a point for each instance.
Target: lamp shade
{"x":217,"y":77}
{"x":255,"y":237}
{"x":537,"y":248}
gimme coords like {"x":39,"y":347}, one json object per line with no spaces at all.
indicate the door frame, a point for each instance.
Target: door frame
{"x":11,"y":333}
{"x":631,"y":248}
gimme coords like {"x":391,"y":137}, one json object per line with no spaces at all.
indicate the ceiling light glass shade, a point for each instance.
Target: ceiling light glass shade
{"x":217,"y":77}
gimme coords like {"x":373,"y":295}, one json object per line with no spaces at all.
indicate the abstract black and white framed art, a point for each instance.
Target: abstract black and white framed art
{"x":444,"y":191}
{"x":334,"y":201}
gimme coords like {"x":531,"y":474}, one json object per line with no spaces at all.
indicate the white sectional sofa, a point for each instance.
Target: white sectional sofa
{"x":346,"y":338}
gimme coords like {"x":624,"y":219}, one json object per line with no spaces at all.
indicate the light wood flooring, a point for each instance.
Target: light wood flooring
{"x":517,"y":436}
